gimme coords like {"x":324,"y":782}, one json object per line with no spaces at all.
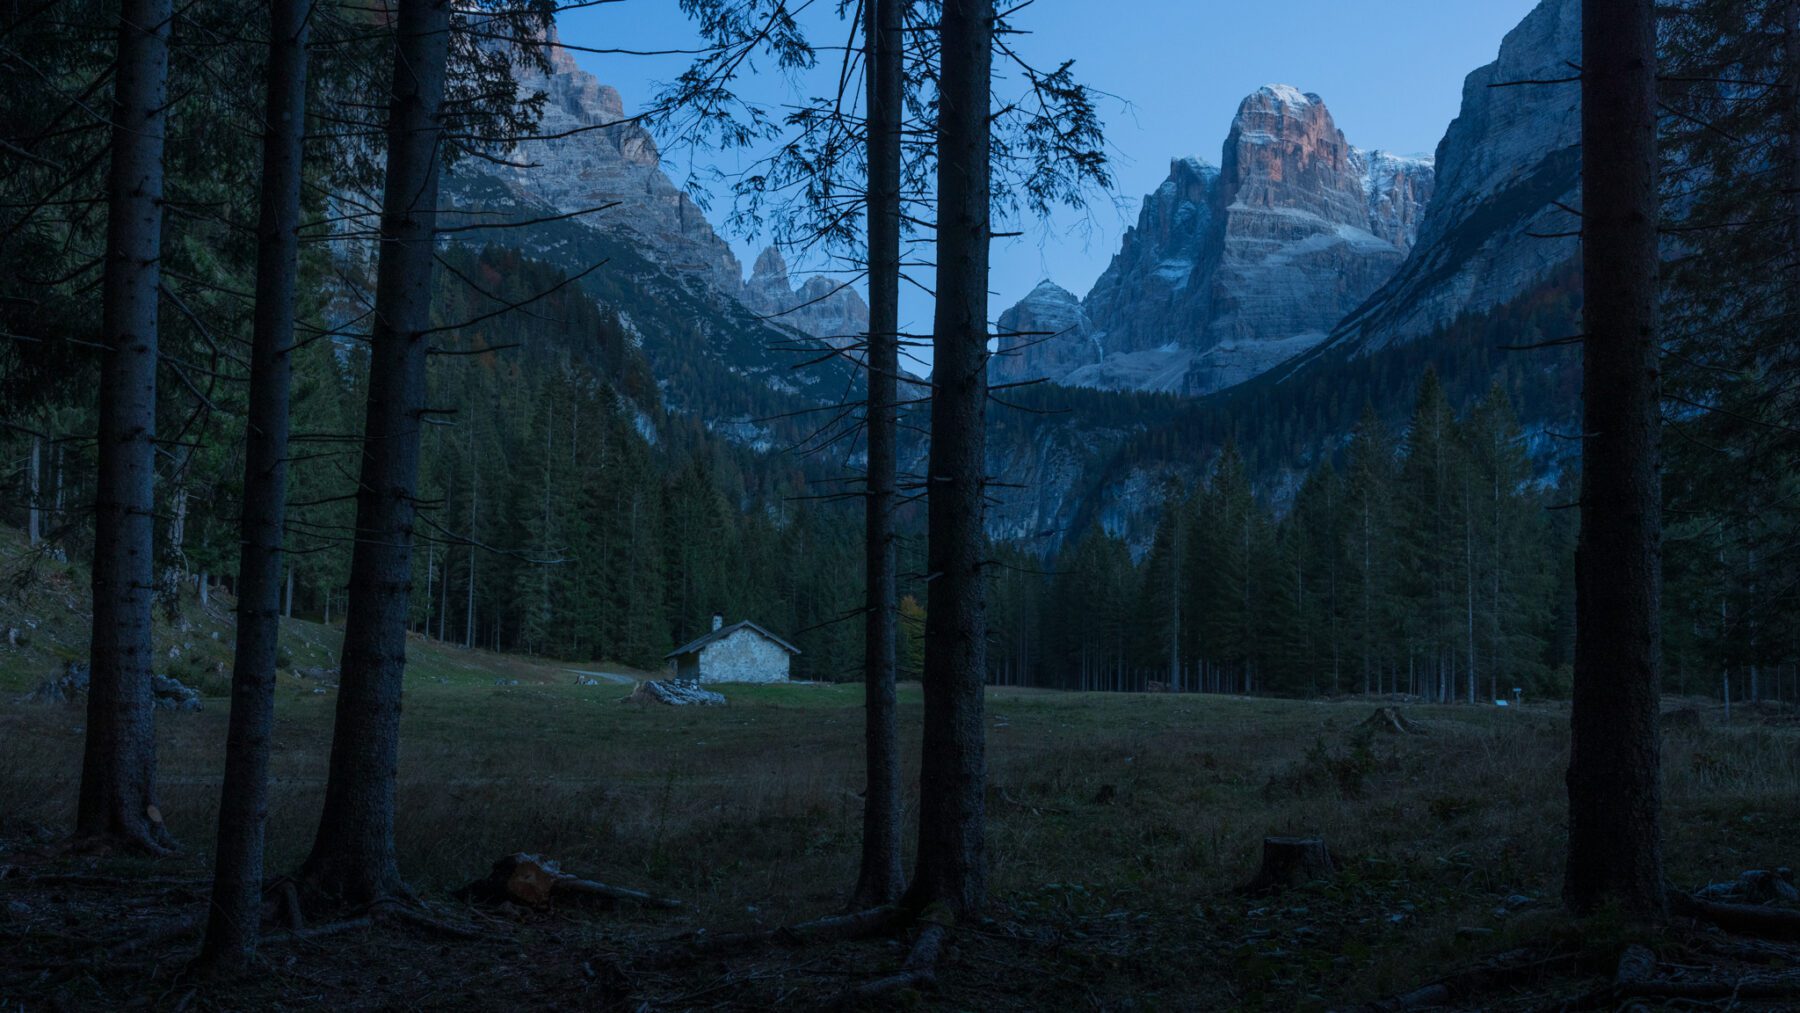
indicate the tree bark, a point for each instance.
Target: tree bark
{"x":234,"y":917}
{"x":178,"y":510}
{"x":953,"y":772}
{"x":352,"y":858}
{"x":1790,"y":74}
{"x":33,"y":515}
{"x":118,"y":770}
{"x":1469,"y":580}
{"x":1615,"y":852}
{"x":880,"y":879}
{"x":474,"y":500}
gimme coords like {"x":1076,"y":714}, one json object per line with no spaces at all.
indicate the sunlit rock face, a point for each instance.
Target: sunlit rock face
{"x":1231,"y":270}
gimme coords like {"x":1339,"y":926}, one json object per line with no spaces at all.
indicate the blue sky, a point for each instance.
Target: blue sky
{"x":1390,"y":71}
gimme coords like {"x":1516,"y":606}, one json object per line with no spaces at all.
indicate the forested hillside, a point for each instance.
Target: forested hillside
{"x":570,"y":514}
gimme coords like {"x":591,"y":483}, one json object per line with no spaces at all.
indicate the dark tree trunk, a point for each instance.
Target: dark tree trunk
{"x":1615,"y":852}
{"x":953,"y":771}
{"x":881,"y":880}
{"x":232,"y":921}
{"x":1790,"y":73}
{"x":118,"y":769}
{"x":33,"y":471}
{"x":352,"y":858}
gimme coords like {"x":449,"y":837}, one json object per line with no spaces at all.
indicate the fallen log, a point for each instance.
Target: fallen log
{"x":537,"y":882}
{"x":1752,"y":987}
{"x":675,"y":694}
{"x":832,"y":928}
{"x":1758,"y":920}
{"x":1507,"y":968}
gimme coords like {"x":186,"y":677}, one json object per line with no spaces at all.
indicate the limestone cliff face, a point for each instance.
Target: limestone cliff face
{"x":1232,"y":270}
{"x":1050,"y":318}
{"x":588,"y":154}
{"x":583,"y":162}
{"x":1399,"y":188}
{"x":1146,"y":291}
{"x":822,"y":307}
{"x":1510,"y":156}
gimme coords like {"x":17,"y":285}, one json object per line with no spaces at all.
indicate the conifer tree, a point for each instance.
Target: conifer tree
{"x":1615,"y":853}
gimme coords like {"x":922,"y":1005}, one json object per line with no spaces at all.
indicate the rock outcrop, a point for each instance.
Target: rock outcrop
{"x":823,"y":307}
{"x":1508,"y":159}
{"x":1047,"y":332}
{"x":587,"y":153}
{"x":1232,"y":270}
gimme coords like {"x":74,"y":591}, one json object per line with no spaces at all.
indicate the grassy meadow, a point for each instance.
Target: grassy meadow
{"x":1120,"y":826}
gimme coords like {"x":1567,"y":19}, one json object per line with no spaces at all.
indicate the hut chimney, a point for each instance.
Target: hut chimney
{"x":718,"y":622}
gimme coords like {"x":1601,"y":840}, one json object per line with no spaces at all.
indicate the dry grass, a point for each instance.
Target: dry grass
{"x":1120,"y":829}
{"x":1120,"y":825}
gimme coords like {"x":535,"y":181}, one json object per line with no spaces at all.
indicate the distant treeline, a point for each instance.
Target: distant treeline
{"x":1436,"y":561}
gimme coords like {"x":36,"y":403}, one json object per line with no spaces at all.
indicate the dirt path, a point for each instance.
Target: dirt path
{"x":614,"y":677}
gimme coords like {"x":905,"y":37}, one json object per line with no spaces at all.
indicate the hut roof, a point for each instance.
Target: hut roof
{"x":723,"y":632}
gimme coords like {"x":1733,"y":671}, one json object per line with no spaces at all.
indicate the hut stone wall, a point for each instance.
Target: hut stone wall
{"x":744,"y":656}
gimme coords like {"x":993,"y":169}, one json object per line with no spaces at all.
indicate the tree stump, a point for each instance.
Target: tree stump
{"x":1292,"y":861}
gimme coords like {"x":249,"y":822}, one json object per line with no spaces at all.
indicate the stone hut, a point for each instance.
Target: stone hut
{"x":741,"y":652}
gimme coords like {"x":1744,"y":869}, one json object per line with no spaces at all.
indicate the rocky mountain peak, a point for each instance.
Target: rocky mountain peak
{"x":1398,"y":188}
{"x":591,"y":155}
{"x":819,"y":306}
{"x":1050,"y":318}
{"x":770,"y":267}
{"x":1286,"y":152}
{"x":1232,"y":270}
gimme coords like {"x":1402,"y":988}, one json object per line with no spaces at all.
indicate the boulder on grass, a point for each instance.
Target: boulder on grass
{"x":171,"y":694}
{"x":675,"y":694}
{"x":67,"y":686}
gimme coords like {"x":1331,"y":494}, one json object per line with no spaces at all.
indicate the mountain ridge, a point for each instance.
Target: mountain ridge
{"x":1233,"y":268}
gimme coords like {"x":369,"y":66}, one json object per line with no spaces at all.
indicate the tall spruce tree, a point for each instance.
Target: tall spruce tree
{"x":1615,"y":848}
{"x":118,"y":769}
{"x":352,"y":859}
{"x":953,"y":769}
{"x":236,"y":911}
{"x":1369,"y":485}
{"x":880,"y":878}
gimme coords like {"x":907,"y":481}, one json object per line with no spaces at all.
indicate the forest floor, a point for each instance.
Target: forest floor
{"x":1121,"y":830}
